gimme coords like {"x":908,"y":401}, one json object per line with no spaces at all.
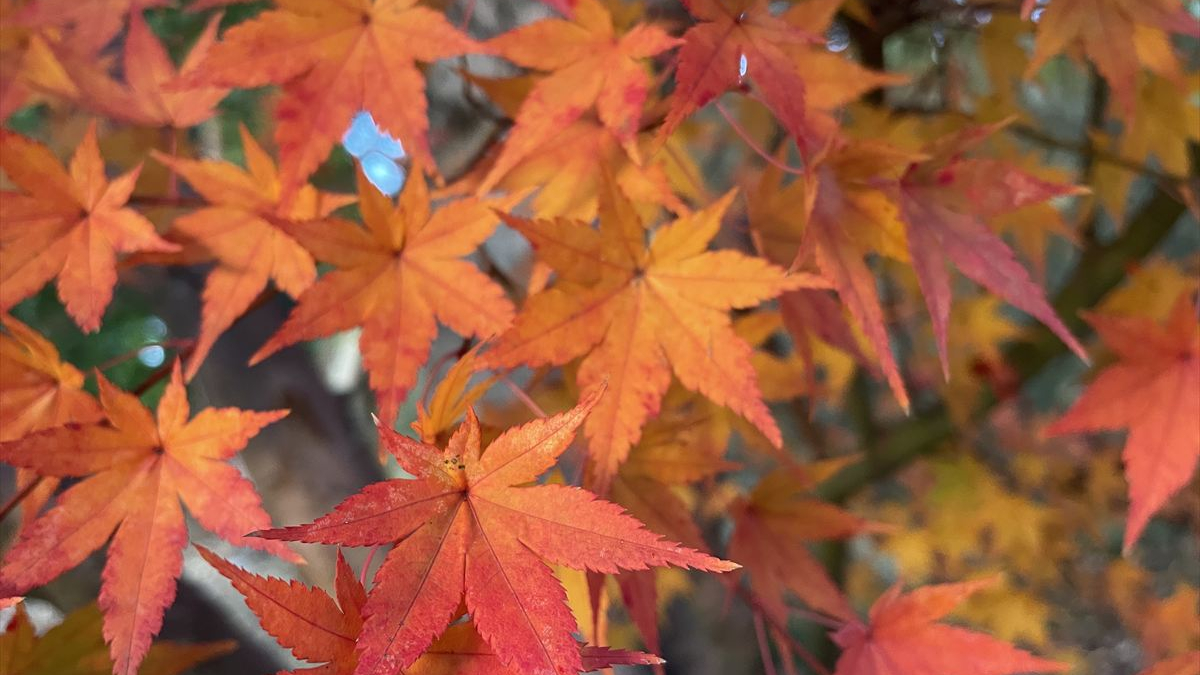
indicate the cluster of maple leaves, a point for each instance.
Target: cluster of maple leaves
{"x":626,"y":300}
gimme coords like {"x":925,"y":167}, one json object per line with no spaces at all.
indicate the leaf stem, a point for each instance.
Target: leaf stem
{"x":523,"y":397}
{"x":764,"y":649}
{"x":758,"y":149}
{"x":20,"y":497}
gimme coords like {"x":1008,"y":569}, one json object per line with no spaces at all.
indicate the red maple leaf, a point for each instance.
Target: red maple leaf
{"x":461,"y":531}
{"x":736,"y":40}
{"x":902,"y":638}
{"x":1154,"y":391}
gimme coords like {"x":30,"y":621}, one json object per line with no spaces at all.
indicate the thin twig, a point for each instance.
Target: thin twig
{"x":523,"y":397}
{"x":764,"y":649}
{"x":176,"y":343}
{"x":362,"y":576}
{"x":758,"y":150}
{"x":791,"y":643}
{"x":176,"y":202}
{"x":20,"y":497}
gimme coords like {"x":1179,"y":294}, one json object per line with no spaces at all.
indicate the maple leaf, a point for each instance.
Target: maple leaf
{"x":153,"y":93}
{"x":773,"y":526}
{"x":451,"y":398}
{"x":32,"y":61}
{"x":334,"y":58}
{"x":397,"y":278}
{"x":92,"y":24}
{"x":568,"y":170}
{"x":66,"y":225}
{"x":920,"y":209}
{"x":76,"y":647}
{"x":590,"y":67}
{"x":460,"y":530}
{"x":1108,"y":32}
{"x":809,"y":316}
{"x":134,"y":472}
{"x":37,"y":391}
{"x":944,"y":203}
{"x":316,"y":628}
{"x":902,"y":638}
{"x":845,"y":215}
{"x":1154,"y":391}
{"x":244,"y":230}
{"x":733,"y":41}
{"x":673,"y":451}
{"x":639,"y":311}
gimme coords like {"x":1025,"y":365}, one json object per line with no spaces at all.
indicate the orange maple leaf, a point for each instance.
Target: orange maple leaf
{"x":76,"y":646}
{"x":397,"y":278}
{"x":1114,"y":35}
{"x":334,"y":58}
{"x":66,"y":225}
{"x":735,"y":41}
{"x":902,"y":638}
{"x":244,"y":231}
{"x":134,"y":472}
{"x":32,"y":61}
{"x":1154,"y":391}
{"x":639,"y":311}
{"x":590,"y":67}
{"x":37,"y":391}
{"x":318,"y":629}
{"x":461,"y":530}
{"x":153,"y":93}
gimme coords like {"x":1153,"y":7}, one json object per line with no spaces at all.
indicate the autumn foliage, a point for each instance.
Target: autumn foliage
{"x":843,"y":337}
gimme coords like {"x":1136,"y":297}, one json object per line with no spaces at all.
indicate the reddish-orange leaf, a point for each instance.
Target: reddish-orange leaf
{"x":773,"y":527}
{"x":945,"y":202}
{"x":314,"y":626}
{"x":461,"y":530}
{"x":334,"y":58}
{"x":76,"y":647}
{"x":134,"y":472}
{"x":845,"y":215}
{"x":243,"y":230}
{"x":590,"y":67}
{"x":903,"y":638}
{"x":397,"y":278}
{"x":1153,"y":390}
{"x":733,"y":42}
{"x":639,"y":311}
{"x":319,"y":629}
{"x":67,"y":222}
{"x":92,"y":23}
{"x":1107,"y":31}
{"x":37,"y":391}
{"x":807,"y":315}
{"x":153,"y":93}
